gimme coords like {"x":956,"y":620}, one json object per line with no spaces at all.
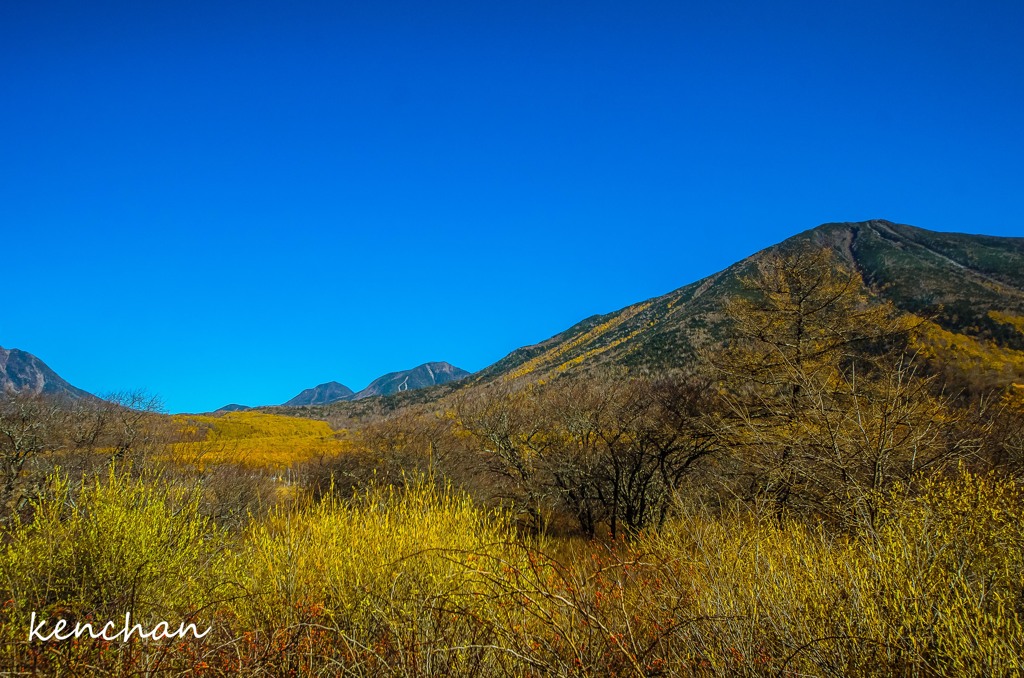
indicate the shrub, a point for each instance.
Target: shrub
{"x":116,"y":545}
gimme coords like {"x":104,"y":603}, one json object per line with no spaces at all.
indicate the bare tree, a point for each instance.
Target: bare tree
{"x":134,"y":427}
{"x":827,"y":407}
{"x":608,"y":449}
{"x":30,"y":425}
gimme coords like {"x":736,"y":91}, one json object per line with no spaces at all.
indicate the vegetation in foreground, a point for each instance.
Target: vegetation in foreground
{"x":422,"y":582}
{"x":835,"y":494}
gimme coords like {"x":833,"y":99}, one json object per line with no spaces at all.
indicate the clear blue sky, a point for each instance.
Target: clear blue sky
{"x":233,"y":201}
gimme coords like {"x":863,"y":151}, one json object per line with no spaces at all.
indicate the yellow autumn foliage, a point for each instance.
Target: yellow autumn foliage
{"x":970,"y":358}
{"x":419,"y":581}
{"x":254,"y":439}
{"x":1015,"y":321}
{"x":553,"y":356}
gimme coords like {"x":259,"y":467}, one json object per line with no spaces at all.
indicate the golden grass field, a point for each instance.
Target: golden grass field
{"x":254,"y":439}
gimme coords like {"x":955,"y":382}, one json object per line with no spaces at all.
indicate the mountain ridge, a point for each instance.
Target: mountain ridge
{"x":966,"y":285}
{"x":419,"y":377}
{"x":969,"y":286}
{"x":954,"y":278}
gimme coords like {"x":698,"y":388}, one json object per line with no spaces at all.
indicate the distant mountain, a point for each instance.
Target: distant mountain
{"x":22,"y":372}
{"x":330,"y":392}
{"x":233,"y":407}
{"x":428,"y":374}
{"x":969,"y":285}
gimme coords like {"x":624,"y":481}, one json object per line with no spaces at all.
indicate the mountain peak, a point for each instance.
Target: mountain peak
{"x":329,"y":392}
{"x":956,"y":279}
{"x":22,"y":372}
{"x":422,"y":376}
{"x":427,"y":374}
{"x":233,"y":407}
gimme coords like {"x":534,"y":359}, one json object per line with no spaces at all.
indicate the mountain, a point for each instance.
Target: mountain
{"x":968,"y":285}
{"x":233,"y":407}
{"x":970,"y":288}
{"x":330,"y":392}
{"x":428,"y":374}
{"x":22,"y":372}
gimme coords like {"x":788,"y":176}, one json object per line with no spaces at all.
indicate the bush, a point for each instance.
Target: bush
{"x":938,"y":590}
{"x":116,"y":545}
{"x":391,"y":580}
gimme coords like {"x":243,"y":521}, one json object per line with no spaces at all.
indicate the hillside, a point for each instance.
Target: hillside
{"x":969,"y":285}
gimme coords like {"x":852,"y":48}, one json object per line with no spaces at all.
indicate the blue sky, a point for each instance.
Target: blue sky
{"x":233,"y":201}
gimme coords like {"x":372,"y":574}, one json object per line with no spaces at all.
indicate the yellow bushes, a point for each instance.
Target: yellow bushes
{"x":387,"y":573}
{"x":949,"y":575}
{"x":421,"y":582}
{"x":380,"y":548}
{"x":116,"y":545}
{"x":936,"y":591}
